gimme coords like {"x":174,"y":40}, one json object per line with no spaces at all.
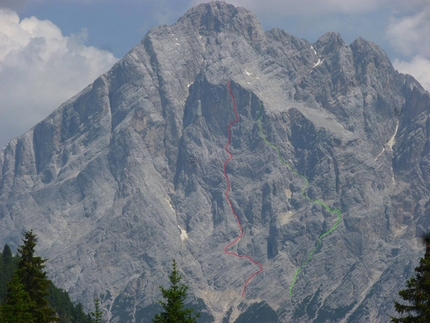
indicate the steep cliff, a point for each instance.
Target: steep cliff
{"x":129,"y":174}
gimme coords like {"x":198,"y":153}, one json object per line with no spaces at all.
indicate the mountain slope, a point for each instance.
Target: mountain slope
{"x":129,"y":174}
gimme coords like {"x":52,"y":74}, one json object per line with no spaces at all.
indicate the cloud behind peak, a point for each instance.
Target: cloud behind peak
{"x":40,"y":69}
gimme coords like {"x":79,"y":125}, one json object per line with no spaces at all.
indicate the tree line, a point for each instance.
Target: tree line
{"x":28,"y":296}
{"x":26,"y":293}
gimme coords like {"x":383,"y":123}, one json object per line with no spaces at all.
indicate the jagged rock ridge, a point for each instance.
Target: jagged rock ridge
{"x":128,"y":174}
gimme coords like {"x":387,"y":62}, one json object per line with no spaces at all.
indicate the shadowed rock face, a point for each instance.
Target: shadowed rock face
{"x":128,"y":174}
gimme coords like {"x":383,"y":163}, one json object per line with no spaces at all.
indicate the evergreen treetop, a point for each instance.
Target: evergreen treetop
{"x":8,"y":265}
{"x":98,"y":313}
{"x":58,"y":299}
{"x":7,"y":255}
{"x":417,"y":293}
{"x":174,"y":301}
{"x":32,"y":275}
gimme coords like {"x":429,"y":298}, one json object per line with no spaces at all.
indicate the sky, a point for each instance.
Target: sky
{"x":52,"y":49}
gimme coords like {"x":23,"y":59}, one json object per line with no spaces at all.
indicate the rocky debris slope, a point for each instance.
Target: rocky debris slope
{"x":128,"y":174}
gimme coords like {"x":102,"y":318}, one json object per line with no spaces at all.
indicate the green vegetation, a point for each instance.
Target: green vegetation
{"x":8,"y":264}
{"x":18,"y":306}
{"x":174,"y":302}
{"x":27,"y":295}
{"x":417,"y":293}
{"x":31,"y":274}
{"x":63,"y":306}
{"x":97,"y":314}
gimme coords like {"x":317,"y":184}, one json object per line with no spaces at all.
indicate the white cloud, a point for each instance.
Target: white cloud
{"x":40,"y":69}
{"x":410,"y":34}
{"x":418,"y":67}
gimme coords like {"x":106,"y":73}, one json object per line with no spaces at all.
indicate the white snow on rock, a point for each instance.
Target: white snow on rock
{"x":315,"y":52}
{"x":319,"y":62}
{"x":392,"y":141}
{"x":184,"y":235}
{"x":389,"y":145}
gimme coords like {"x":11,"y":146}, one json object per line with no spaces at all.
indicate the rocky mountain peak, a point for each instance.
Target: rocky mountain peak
{"x":330,"y":42}
{"x":131,"y":173}
{"x":219,"y":16}
{"x":367,"y":52}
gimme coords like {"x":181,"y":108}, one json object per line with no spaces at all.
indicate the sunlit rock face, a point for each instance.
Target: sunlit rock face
{"x":129,"y":174}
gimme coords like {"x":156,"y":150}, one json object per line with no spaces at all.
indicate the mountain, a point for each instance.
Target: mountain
{"x":327,"y":159}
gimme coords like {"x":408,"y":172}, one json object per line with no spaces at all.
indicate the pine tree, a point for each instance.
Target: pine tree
{"x":7,"y":265}
{"x":7,"y":256}
{"x":34,"y":279}
{"x":97,"y":314}
{"x":417,"y":292}
{"x":79,"y":316}
{"x":58,"y":299}
{"x":18,"y":306}
{"x":175,"y":296}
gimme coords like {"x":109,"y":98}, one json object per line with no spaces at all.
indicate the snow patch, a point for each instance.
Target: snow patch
{"x":389,"y":145}
{"x":248,"y":73}
{"x":184,"y":235}
{"x":392,"y":141}
{"x":178,"y":44}
{"x":315,"y":52}
{"x":319,"y":62}
{"x":188,"y":85}
{"x":170,"y":204}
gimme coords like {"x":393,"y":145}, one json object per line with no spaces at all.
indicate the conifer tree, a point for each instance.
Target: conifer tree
{"x":58,"y":299}
{"x":6,"y":270}
{"x":7,"y":255}
{"x":18,"y":306}
{"x":34,"y":279}
{"x":174,"y":302}
{"x":417,"y":293}
{"x":98,"y":313}
{"x":79,"y":316}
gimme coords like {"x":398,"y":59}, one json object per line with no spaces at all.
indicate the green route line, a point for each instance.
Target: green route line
{"x":337,"y":211}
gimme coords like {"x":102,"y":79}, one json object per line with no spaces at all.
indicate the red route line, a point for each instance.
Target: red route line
{"x":231,"y":204}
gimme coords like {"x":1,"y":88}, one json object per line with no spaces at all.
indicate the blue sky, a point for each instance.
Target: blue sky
{"x":52,"y":49}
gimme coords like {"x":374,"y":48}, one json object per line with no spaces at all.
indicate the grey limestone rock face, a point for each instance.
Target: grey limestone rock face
{"x":129,"y":174}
